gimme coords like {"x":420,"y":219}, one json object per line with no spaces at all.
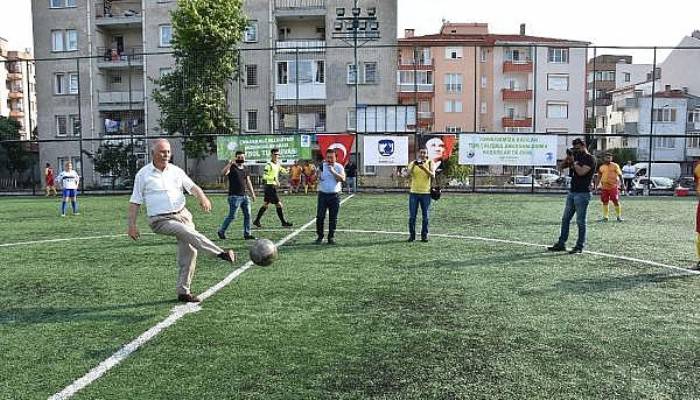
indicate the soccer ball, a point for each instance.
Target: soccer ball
{"x":263,"y":252}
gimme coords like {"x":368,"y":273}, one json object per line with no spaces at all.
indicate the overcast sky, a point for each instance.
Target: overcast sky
{"x":602,"y":22}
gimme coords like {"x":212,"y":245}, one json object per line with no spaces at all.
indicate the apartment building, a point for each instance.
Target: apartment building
{"x":295,"y":78}
{"x":18,"y":94}
{"x":467,"y":79}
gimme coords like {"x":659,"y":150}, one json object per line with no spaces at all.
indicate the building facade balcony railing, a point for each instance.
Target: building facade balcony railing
{"x":423,"y":115}
{"x":302,"y":91}
{"x":117,"y":98}
{"x":517,"y":122}
{"x":301,"y":46}
{"x":517,"y":94}
{"x":406,"y":87}
{"x":16,"y":94}
{"x":299,"y":4}
{"x":517,"y":67}
{"x":16,"y":114}
{"x":416,"y":65}
{"x":113,"y":58}
{"x":110,"y":12}
{"x":14,"y":76}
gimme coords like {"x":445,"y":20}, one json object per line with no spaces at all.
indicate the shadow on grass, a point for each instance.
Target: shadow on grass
{"x":617,"y":283}
{"x":501,"y":260}
{"x":42,"y":315}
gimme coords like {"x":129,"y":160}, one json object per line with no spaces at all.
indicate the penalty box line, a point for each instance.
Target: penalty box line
{"x":176,"y":314}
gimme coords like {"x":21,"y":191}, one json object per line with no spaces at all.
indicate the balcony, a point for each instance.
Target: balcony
{"x":113,"y":59}
{"x":16,"y":114}
{"x":16,"y":94}
{"x":631,"y":128}
{"x":693,"y":151}
{"x":411,"y":87}
{"x":416,"y":65}
{"x":300,"y":7}
{"x":517,"y":94}
{"x":517,"y":122}
{"x":517,"y":67}
{"x":300,"y":46}
{"x":118,"y":14}
{"x":109,"y":100}
{"x":302,"y":91}
{"x":423,"y":115}
{"x":14,"y":76}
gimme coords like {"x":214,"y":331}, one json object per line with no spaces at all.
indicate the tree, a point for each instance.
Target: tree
{"x":452,"y":168}
{"x":115,"y":160}
{"x":15,"y":156}
{"x":193,"y":97}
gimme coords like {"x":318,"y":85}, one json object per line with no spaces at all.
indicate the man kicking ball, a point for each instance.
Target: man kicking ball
{"x":609,"y":182}
{"x":271,"y":179}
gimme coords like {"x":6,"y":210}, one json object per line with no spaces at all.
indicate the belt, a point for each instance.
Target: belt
{"x":168,"y":214}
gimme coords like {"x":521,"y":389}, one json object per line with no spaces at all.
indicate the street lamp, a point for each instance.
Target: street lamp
{"x":351,"y":30}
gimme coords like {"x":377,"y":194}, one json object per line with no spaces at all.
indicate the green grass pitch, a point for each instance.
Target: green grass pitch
{"x":371,"y":318}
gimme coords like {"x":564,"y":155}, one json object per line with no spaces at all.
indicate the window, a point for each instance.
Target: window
{"x":558,"y":55}
{"x":453,"y":83}
{"x":166,"y":35}
{"x":251,"y":32}
{"x":164,"y":71}
{"x":61,"y":3}
{"x":665,"y":142}
{"x":77,"y":166}
{"x":370,"y":73}
{"x":559,"y":82}
{"x":59,"y":85}
{"x":694,"y":116}
{"x":352,"y":74}
{"x":664,"y":115}
{"x":305,"y":72}
{"x":73,"y":83}
{"x":557,"y":110}
{"x":70,"y":3}
{"x":370,"y":170}
{"x":484,"y":107}
{"x":484,"y":82}
{"x":57,"y":41}
{"x":453,"y":129}
{"x":115,"y":79}
{"x":453,"y":106}
{"x":61,"y":125}
{"x":251,"y":75}
{"x":352,"y":119}
{"x":628,"y":77}
{"x":74,"y":123}
{"x":408,"y":78}
{"x":71,"y":40}
{"x":62,"y":163}
{"x":483,"y":55}
{"x":252,"y":123}
{"x":453,"y":53}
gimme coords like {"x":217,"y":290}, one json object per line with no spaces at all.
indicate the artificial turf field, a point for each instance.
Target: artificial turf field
{"x":371,"y":318}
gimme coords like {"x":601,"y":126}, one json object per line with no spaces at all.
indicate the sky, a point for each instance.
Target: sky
{"x":602,"y":22}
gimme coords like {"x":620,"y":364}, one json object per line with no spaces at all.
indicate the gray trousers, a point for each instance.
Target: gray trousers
{"x":189,"y":241}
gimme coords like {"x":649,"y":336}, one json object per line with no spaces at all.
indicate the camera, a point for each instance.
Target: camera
{"x":569,"y":152}
{"x":419,"y":162}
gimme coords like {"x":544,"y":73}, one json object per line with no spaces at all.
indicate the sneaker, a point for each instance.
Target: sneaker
{"x":76,"y":213}
{"x":620,"y":219}
{"x":411,"y":239}
{"x":556,"y":247}
{"x":331,"y":241}
{"x":603,"y":220}
{"x":287,"y":224}
{"x":319,"y":240}
{"x":249,"y":237}
{"x":576,"y":250}
{"x":63,"y":215}
{"x":221,"y":235}
{"x":188,"y":298}
{"x":257,"y":224}
{"x":424,"y":240}
{"x":696,"y":267}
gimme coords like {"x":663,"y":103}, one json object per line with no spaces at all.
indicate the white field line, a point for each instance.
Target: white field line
{"x":176,"y":314}
{"x":519,"y":243}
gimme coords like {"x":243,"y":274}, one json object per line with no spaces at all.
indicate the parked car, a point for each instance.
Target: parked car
{"x":657,"y":183}
{"x":665,"y":170}
{"x":520,"y":181}
{"x":686,"y":182}
{"x":546,"y":176}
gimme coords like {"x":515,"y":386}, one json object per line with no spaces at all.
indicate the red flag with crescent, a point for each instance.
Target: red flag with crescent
{"x":341,"y":143}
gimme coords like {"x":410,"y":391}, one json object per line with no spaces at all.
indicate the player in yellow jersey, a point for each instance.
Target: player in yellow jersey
{"x":271,"y":180}
{"x":309,"y":176}
{"x":696,"y":173}
{"x":610,"y":181}
{"x":295,"y":172}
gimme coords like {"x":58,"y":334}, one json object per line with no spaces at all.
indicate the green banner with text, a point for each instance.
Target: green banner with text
{"x":257,"y":147}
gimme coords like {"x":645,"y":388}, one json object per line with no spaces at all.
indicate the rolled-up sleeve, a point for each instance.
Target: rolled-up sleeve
{"x":187,"y":183}
{"x":137,"y":192}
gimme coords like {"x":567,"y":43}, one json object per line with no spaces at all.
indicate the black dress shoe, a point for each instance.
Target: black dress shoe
{"x":188,"y":298}
{"x":411,"y":239}
{"x":331,"y":241}
{"x":222,"y":235}
{"x":249,"y":237}
{"x":287,"y":224}
{"x":424,"y":240}
{"x":257,"y":224}
{"x":319,"y":240}
{"x":576,"y":250}
{"x":556,"y":247}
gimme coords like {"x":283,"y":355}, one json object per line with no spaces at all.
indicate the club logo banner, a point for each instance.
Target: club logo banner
{"x":504,"y":149}
{"x":385,"y":150}
{"x":341,"y":143}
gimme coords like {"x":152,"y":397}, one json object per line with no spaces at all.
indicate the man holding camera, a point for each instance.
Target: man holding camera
{"x":581,"y":166}
{"x":421,"y":172}
{"x":239,"y":185}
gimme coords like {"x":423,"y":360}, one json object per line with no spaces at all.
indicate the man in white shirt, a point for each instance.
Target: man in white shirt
{"x":160,"y":187}
{"x":70,"y":181}
{"x":331,"y":184}
{"x":629,"y":172}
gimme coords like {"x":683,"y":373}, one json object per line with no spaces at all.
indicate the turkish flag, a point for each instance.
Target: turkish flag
{"x":341,"y":143}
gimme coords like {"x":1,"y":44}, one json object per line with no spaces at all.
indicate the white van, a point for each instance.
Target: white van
{"x":661,"y":170}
